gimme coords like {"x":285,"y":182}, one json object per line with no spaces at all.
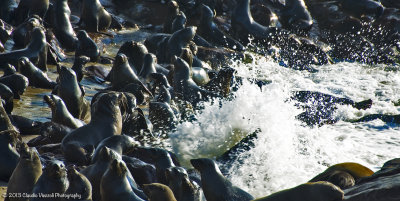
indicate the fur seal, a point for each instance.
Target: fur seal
{"x":295,"y":16}
{"x":53,"y":180}
{"x":178,"y":40}
{"x":37,"y":78}
{"x":173,"y":11}
{"x":79,"y":63}
{"x":16,"y":82}
{"x":312,"y":191}
{"x":72,"y":94}
{"x":209,"y":30}
{"x":114,"y":184}
{"x":60,"y":113}
{"x":142,"y":172}
{"x":135,"y":53}
{"x":62,"y":25}
{"x":356,"y":171}
{"x":160,"y":158}
{"x":215,"y":186}
{"x":106,"y":121}
{"x":94,"y":16}
{"x":184,"y":189}
{"x":78,"y":184}
{"x":21,"y":35}
{"x":8,"y":69}
{"x":86,"y":47}
{"x":148,"y":67}
{"x":36,"y":51}
{"x":8,"y":141}
{"x":158,"y":192}
{"x":26,"y":173}
{"x":7,"y":97}
{"x":119,"y":143}
{"x":24,"y":125}
{"x":122,"y":74}
{"x":243,"y":25}
{"x":95,"y":171}
{"x":185,"y":88}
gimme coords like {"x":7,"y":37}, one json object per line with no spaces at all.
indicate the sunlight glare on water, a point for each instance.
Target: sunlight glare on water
{"x":286,"y":152}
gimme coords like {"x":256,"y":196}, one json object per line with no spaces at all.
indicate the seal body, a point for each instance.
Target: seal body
{"x":312,"y":191}
{"x":157,"y":191}
{"x":106,"y":121}
{"x":60,"y":113}
{"x":26,"y":173}
{"x":119,"y":143}
{"x":36,"y":51}
{"x":184,"y":189}
{"x":72,"y":94}
{"x":16,"y":82}
{"x":53,"y":180}
{"x":78,"y":184}
{"x":87,"y":47}
{"x":114,"y":185}
{"x":62,"y":25}
{"x":37,"y":78}
{"x":95,"y":17}
{"x":215,"y":186}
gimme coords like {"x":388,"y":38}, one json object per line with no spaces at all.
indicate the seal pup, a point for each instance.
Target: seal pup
{"x":78,"y":184}
{"x":158,"y":192}
{"x":119,"y":143}
{"x":62,"y":26}
{"x":72,"y":94}
{"x":26,"y":174}
{"x":184,"y":189}
{"x":16,"y":82}
{"x":312,"y":191}
{"x":53,"y":180}
{"x":215,"y":186}
{"x":114,"y":184}
{"x":37,"y":78}
{"x":86,"y":47}
{"x":106,"y":121}
{"x":209,"y":30}
{"x":36,"y":51}
{"x":7,"y":97}
{"x":60,"y":113}
{"x":94,"y":16}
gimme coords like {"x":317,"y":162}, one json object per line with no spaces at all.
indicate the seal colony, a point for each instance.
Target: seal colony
{"x":107,"y":150}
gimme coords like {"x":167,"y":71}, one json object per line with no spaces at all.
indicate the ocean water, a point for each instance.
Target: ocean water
{"x":288,"y":153}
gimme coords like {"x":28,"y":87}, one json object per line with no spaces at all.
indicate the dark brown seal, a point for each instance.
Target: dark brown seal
{"x":36,"y":51}
{"x":37,"y":78}
{"x":94,"y":16}
{"x":53,"y":180}
{"x":72,"y":94}
{"x":26,"y":173}
{"x":157,"y":191}
{"x":106,"y":121}
{"x":114,"y":186}
{"x":60,"y":113}
{"x":62,"y":25}
{"x":215,"y":186}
